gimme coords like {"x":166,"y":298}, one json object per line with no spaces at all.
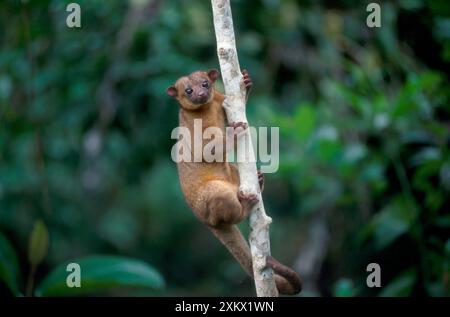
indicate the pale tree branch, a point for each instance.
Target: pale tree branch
{"x":235,"y":109}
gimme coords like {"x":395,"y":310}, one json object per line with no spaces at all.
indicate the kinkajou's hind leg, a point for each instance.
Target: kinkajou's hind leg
{"x":220,"y":204}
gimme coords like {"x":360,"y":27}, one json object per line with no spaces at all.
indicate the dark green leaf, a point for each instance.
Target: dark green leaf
{"x":100,"y":274}
{"x":402,"y":285}
{"x":9,"y":268}
{"x":392,"y":222}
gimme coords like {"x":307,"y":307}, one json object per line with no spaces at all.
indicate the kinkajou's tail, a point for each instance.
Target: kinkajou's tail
{"x":287,"y":280}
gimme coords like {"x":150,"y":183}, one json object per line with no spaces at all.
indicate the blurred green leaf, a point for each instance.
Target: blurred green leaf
{"x":401,"y":286}
{"x":9,"y":267}
{"x":392,"y":221}
{"x":411,"y":4}
{"x":38,"y":245}
{"x":305,"y":121}
{"x":329,"y":151}
{"x":443,"y":221}
{"x":354,"y":153}
{"x":344,"y":288}
{"x":100,"y":274}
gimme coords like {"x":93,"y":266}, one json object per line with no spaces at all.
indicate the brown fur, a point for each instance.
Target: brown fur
{"x":211,"y":189}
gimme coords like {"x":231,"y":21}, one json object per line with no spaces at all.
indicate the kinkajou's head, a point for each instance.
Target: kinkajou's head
{"x":194,"y":90}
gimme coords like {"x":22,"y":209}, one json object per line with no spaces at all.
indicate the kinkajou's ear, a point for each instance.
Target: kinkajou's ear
{"x":213,"y":74}
{"x":172,"y":91}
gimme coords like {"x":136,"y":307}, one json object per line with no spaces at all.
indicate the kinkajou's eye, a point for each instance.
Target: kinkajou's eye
{"x":205,"y":84}
{"x":188,"y":91}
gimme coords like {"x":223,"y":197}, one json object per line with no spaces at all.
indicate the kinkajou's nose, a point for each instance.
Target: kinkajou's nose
{"x":202,"y":94}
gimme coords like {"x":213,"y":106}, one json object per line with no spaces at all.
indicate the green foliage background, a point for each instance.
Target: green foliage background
{"x":364,"y":123}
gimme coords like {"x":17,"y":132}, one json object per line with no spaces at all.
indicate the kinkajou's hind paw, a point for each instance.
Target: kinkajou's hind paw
{"x":239,"y":126}
{"x":247,"y":198}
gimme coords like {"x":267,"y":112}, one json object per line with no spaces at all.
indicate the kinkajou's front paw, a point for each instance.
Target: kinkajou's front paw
{"x":247,"y":80}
